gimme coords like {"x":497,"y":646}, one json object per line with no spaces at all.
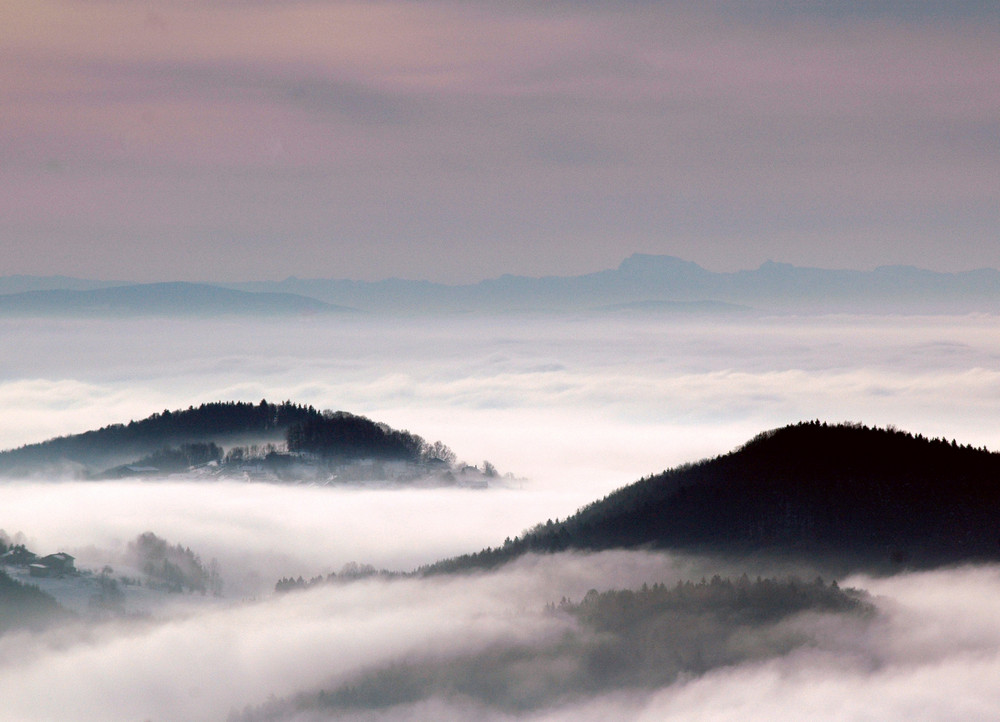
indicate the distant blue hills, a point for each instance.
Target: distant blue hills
{"x":153,"y":299}
{"x":666,"y":284}
{"x":647,"y":284}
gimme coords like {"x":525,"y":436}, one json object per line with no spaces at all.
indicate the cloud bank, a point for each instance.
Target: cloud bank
{"x":582,"y":405}
{"x":932,"y":650}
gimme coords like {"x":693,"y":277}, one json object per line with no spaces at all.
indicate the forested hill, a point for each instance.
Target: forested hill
{"x":122,"y":443}
{"x":848,"y":494}
{"x":265,"y":442}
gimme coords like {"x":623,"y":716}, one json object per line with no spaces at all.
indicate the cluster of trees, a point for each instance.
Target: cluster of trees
{"x":742,"y":600}
{"x":288,"y":584}
{"x":340,"y":435}
{"x":218,"y":418}
{"x":649,"y":636}
{"x":15,"y":550}
{"x":18,"y":555}
{"x":109,"y":598}
{"x":623,"y":639}
{"x":174,"y":568}
{"x":237,"y":455}
{"x":349,"y":572}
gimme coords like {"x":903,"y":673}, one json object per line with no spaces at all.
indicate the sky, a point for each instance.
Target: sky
{"x":456,"y":141}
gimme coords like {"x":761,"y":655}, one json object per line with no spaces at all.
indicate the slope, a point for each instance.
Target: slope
{"x":847,"y":494}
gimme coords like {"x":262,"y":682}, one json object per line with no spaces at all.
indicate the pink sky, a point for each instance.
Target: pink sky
{"x":456,"y":141}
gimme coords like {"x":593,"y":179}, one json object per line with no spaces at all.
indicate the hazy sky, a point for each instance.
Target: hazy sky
{"x":226,"y":140}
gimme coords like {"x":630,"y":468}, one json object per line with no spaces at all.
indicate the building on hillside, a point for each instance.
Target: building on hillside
{"x":53,"y":565}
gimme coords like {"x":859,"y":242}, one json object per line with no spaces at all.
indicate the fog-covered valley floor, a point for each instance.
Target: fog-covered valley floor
{"x":573,"y":408}
{"x":931,"y":652}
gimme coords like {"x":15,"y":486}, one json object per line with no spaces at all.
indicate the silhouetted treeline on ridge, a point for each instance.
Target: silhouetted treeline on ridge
{"x":858,"y":496}
{"x":123,"y":443}
{"x":346,"y":436}
{"x":280,"y":440}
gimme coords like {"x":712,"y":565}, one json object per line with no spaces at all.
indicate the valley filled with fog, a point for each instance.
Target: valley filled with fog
{"x":571,"y":407}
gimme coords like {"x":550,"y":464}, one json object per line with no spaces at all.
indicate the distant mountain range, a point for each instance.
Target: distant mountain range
{"x":845,"y":496}
{"x":155,"y":299}
{"x":641,"y":284}
{"x":665,"y":284}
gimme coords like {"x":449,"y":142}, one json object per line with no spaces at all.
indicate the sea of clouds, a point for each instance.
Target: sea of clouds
{"x":572,"y":407}
{"x":609,"y":397}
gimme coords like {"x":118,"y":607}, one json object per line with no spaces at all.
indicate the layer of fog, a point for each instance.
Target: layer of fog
{"x":583,"y":404}
{"x":578,"y":406}
{"x":260,"y":532}
{"x":932,"y":653}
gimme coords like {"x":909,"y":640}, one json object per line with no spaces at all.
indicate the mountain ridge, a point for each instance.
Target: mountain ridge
{"x":845,"y":495}
{"x":644,"y":278}
{"x":640,"y":279}
{"x":155,"y":299}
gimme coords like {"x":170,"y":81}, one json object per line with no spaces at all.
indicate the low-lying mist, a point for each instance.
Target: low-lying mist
{"x":261,"y":532}
{"x":582,"y":402}
{"x":931,"y":649}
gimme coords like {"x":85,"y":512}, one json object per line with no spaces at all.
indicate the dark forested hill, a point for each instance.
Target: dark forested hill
{"x":265,"y":441}
{"x":862,"y":497}
{"x":123,"y":443}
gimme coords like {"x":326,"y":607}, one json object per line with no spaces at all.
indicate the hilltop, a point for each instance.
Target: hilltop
{"x":264,"y":441}
{"x":847,"y":495}
{"x":96,"y":450}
